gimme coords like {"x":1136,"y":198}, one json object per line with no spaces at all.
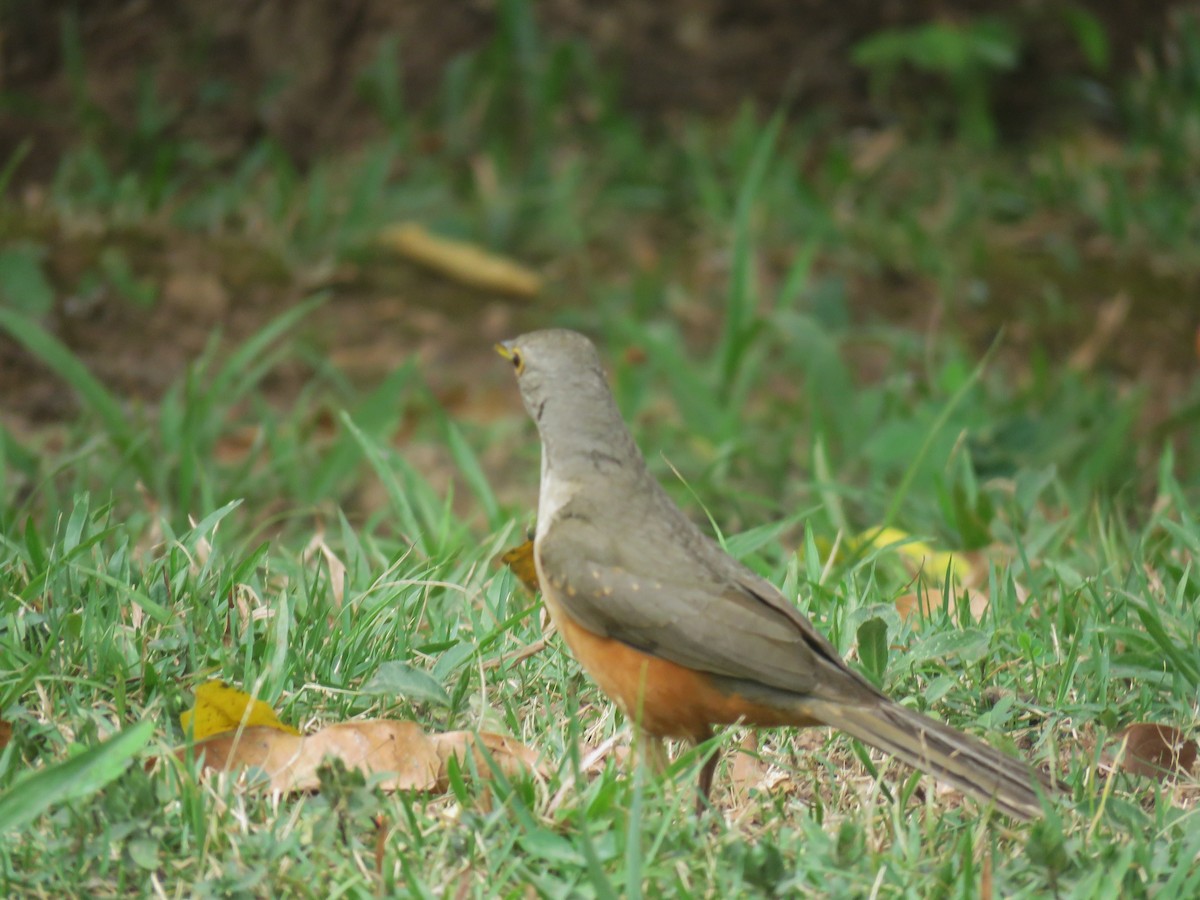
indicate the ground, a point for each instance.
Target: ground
{"x":674,"y":57}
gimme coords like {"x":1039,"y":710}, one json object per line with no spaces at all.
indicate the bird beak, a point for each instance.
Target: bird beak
{"x":504,"y":350}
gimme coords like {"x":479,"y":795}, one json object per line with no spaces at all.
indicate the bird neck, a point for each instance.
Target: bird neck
{"x":584,"y":444}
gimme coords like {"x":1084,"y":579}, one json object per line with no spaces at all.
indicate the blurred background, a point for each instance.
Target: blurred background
{"x":792,"y":199}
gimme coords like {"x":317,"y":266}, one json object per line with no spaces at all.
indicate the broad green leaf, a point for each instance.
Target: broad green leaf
{"x":74,"y":778}
{"x":402,"y":680}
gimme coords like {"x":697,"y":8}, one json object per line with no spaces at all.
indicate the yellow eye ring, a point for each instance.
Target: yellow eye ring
{"x":513,"y":355}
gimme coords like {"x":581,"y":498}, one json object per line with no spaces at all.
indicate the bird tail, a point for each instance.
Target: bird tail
{"x":941,"y":751}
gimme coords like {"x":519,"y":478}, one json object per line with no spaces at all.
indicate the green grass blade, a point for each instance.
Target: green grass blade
{"x":1152,"y":621}
{"x":740,"y":325}
{"x":910,"y":474}
{"x":468,"y":466}
{"x":248,"y":363}
{"x":55,"y":355}
{"x":375,"y":415}
{"x":409,"y":522}
{"x":72,"y":779}
{"x":13,"y":163}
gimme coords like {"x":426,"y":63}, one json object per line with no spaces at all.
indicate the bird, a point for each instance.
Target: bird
{"x":682,"y":636}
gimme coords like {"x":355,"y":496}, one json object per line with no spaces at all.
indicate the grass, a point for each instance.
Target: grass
{"x":736,"y":356}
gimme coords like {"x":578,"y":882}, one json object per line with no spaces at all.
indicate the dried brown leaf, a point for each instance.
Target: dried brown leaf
{"x":402,"y":751}
{"x":748,"y":771}
{"x":1154,"y":750}
{"x":463,"y":262}
{"x":203,"y":548}
{"x":512,"y":757}
{"x":337,"y":568}
{"x":290,"y":762}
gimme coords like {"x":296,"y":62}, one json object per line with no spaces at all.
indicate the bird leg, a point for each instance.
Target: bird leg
{"x":707,"y":770}
{"x":652,"y":751}
{"x":704,"y":788}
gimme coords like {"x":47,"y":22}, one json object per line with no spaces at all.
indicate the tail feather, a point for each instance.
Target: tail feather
{"x":941,"y":751}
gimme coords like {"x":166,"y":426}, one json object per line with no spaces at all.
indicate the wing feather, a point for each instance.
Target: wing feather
{"x":729,"y":623}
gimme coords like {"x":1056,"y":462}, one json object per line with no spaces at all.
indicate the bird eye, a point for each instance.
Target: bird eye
{"x":518,"y":361}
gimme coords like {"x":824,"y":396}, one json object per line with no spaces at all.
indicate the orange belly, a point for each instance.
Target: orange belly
{"x":663,"y":698}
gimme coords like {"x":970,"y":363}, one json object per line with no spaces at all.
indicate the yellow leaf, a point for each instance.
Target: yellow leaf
{"x":461,"y":261}
{"x":918,"y":555}
{"x":220,"y":707}
{"x":520,"y":560}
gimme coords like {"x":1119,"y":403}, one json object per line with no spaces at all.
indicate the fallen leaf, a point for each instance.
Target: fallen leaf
{"x":152,"y":537}
{"x":919,"y":556}
{"x":220,"y":708}
{"x":461,"y":261}
{"x":748,"y":772}
{"x":512,"y":757}
{"x":520,"y":561}
{"x":245,"y":601}
{"x":203,"y":548}
{"x":1153,"y":750}
{"x":289,"y":762}
{"x":400,"y":750}
{"x":5,"y":733}
{"x":337,"y":568}
{"x":396,"y":678}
